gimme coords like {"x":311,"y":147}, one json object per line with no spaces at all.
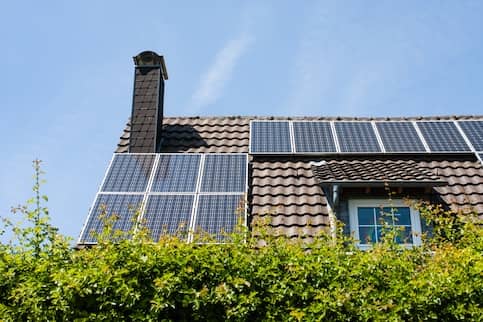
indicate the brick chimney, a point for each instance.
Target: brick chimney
{"x":147,"y":104}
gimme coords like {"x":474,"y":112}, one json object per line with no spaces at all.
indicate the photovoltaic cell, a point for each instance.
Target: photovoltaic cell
{"x":217,"y":214}
{"x":168,"y":214}
{"x":399,"y":137}
{"x":129,"y":173}
{"x":123,"y":206}
{"x":474,"y":133}
{"x":224,"y":173}
{"x":356,"y":137}
{"x":313,"y":137}
{"x":270,"y":137}
{"x":176,"y":173}
{"x":442,"y":137}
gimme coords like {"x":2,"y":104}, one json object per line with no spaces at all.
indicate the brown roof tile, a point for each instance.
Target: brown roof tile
{"x":366,"y":172}
{"x":208,"y":135}
{"x":465,"y":183}
{"x":290,"y":195}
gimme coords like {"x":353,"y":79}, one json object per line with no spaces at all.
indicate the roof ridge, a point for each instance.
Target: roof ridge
{"x":332,"y":118}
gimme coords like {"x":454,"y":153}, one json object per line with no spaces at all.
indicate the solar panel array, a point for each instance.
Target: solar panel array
{"x":172,"y":193}
{"x":330,"y":137}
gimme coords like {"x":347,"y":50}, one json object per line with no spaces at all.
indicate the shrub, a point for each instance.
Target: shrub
{"x":43,"y":279}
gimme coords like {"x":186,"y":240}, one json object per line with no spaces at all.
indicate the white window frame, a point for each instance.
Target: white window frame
{"x":354,"y":220}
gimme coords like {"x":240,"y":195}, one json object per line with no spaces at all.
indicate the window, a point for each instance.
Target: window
{"x":368,"y":217}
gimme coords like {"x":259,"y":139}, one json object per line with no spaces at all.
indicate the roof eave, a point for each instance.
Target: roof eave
{"x":378,"y":183}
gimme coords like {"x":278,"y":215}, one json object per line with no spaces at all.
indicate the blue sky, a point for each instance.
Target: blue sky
{"x":67,"y":73}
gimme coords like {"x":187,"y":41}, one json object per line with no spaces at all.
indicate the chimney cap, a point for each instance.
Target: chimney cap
{"x":150,"y":58}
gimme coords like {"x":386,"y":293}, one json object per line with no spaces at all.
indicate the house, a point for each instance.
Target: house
{"x":299,"y":173}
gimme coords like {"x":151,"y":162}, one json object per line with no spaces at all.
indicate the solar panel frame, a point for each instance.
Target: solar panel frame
{"x":219,"y":200}
{"x":315,"y":128}
{"x":378,"y":137}
{"x":355,"y":145}
{"x":391,"y":139}
{"x":473,"y":130}
{"x":123,"y":207}
{"x":286,"y":138}
{"x":122,"y":173}
{"x":436,"y":136}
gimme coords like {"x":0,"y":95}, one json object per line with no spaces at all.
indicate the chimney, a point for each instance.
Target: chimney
{"x":147,"y":105}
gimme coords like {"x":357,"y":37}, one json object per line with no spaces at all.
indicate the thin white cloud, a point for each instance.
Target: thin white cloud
{"x":219,"y":73}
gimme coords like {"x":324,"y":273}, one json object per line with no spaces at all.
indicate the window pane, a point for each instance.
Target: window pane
{"x":394,"y":216}
{"x":367,"y":235}
{"x":366,"y":215}
{"x":405,"y":236}
{"x":403,"y":216}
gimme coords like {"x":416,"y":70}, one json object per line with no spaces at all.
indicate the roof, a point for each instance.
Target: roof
{"x":286,"y":188}
{"x":375,"y":172}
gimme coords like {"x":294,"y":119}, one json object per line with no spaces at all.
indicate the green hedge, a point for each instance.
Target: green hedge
{"x":43,"y":278}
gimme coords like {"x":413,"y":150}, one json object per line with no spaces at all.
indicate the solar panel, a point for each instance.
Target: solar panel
{"x":176,"y":173}
{"x":123,"y":206}
{"x":313,"y":137}
{"x":442,"y":137}
{"x":216,"y":214}
{"x":270,"y":137}
{"x":128,"y":173}
{"x":168,"y":214}
{"x":356,"y":137}
{"x":399,"y":137}
{"x":474,"y":133}
{"x":224,"y":173}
